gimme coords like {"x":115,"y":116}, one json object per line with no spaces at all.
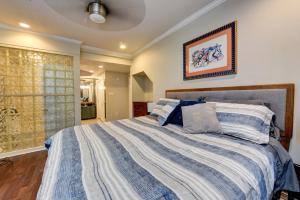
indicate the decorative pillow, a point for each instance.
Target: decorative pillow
{"x":157,"y":109}
{"x":165,"y":112}
{"x":200,"y":118}
{"x":249,"y":122}
{"x":176,"y":115}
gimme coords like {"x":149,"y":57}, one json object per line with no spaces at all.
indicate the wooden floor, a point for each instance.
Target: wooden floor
{"x":90,"y":121}
{"x":22,"y":178}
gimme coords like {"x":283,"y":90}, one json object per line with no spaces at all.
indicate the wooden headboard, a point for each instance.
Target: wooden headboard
{"x":279,"y":96}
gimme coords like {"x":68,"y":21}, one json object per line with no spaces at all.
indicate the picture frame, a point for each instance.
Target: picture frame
{"x":212,"y":54}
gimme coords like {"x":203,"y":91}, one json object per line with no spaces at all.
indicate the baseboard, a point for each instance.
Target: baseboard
{"x":21,"y":152}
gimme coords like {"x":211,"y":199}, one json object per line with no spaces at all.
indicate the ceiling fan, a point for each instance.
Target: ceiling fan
{"x":109,"y":15}
{"x":97,"y":11}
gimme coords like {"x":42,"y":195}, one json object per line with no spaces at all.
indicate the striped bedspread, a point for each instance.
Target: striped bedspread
{"x":138,"y":159}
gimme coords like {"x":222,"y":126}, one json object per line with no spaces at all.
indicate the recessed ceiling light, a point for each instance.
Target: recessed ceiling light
{"x":122,"y":46}
{"x":24,"y":25}
{"x":91,"y":71}
{"x":100,"y":66}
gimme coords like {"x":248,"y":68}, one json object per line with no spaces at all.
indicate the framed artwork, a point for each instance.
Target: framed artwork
{"x":210,"y":55}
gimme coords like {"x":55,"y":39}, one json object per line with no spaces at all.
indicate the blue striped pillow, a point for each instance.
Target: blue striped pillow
{"x":157,"y":109}
{"x":163,"y":108}
{"x":248,"y":122}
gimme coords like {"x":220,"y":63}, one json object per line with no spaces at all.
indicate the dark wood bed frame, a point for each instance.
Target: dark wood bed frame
{"x":289,"y":114}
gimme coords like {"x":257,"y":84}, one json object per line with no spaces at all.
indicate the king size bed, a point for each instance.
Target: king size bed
{"x":140,"y":159}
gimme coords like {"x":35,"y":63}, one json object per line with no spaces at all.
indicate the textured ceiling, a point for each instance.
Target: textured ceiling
{"x":156,"y":17}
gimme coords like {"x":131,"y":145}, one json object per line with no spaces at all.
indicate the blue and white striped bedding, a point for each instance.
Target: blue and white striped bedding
{"x":138,"y":159}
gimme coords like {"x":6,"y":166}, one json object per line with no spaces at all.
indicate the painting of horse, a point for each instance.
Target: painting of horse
{"x":205,"y":56}
{"x":212,"y":54}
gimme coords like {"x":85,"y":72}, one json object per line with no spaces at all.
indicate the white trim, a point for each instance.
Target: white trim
{"x":96,"y":50}
{"x":56,"y":37}
{"x":21,"y":152}
{"x":182,"y":24}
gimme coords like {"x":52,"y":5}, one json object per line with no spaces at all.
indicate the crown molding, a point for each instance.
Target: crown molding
{"x":181,"y":24}
{"x":96,"y":50}
{"x":56,"y":37}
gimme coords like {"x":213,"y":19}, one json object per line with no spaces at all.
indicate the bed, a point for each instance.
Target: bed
{"x":138,"y":159}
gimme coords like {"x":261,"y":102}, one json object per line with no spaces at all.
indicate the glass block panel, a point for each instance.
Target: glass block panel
{"x":13,"y":71}
{"x":60,"y":90}
{"x":69,"y":106}
{"x":60,"y":99}
{"x":60,"y":82}
{"x":69,"y":83}
{"x":69,"y":90}
{"x":27,"y":90}
{"x":49,"y":73}
{"x":29,"y":83}
{"x":69,"y":75}
{"x":60,"y":74}
{"x":50,"y":90}
{"x":49,"y":82}
{"x":50,"y":126}
{"x":69,"y":99}
{"x":12,"y":90}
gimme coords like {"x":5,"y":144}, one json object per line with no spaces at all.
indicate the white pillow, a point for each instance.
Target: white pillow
{"x":248,"y":122}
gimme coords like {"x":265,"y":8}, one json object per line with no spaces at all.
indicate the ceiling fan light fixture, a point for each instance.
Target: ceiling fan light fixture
{"x":97,"y":12}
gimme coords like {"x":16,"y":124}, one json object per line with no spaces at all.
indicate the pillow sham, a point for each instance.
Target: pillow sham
{"x":166,"y":111}
{"x":200,"y":118}
{"x":157,"y":109}
{"x":248,"y":122}
{"x":176,"y":115}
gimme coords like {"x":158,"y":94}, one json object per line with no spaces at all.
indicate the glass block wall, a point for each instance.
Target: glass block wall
{"x":36,"y":97}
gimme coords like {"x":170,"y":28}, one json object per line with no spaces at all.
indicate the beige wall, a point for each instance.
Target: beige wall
{"x":117,"y":95}
{"x":268,"y":51}
{"x":142,"y":88}
{"x":39,"y":42}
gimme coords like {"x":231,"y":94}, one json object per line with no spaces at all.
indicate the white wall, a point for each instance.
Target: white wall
{"x":39,"y":42}
{"x":268,"y":51}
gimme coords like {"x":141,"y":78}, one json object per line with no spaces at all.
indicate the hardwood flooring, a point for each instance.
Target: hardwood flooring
{"x":90,"y":121}
{"x":21,"y":179}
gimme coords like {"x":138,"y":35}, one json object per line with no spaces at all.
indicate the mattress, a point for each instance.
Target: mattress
{"x":138,"y":159}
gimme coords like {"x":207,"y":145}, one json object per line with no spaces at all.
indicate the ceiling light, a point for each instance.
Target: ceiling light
{"x":91,"y":71}
{"x":122,"y":46}
{"x":84,"y":87}
{"x":100,"y":66}
{"x":97,"y":12}
{"x":24,"y":25}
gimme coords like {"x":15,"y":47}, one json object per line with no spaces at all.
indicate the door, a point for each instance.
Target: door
{"x":100,"y":99}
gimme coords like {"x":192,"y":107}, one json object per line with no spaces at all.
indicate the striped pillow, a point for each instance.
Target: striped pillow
{"x":248,"y":122}
{"x":166,"y":112}
{"x":157,"y":109}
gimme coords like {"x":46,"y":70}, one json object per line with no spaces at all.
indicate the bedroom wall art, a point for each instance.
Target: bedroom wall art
{"x":212,"y":54}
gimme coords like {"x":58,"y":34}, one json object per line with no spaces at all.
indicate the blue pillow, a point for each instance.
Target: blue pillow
{"x":176,"y":116}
